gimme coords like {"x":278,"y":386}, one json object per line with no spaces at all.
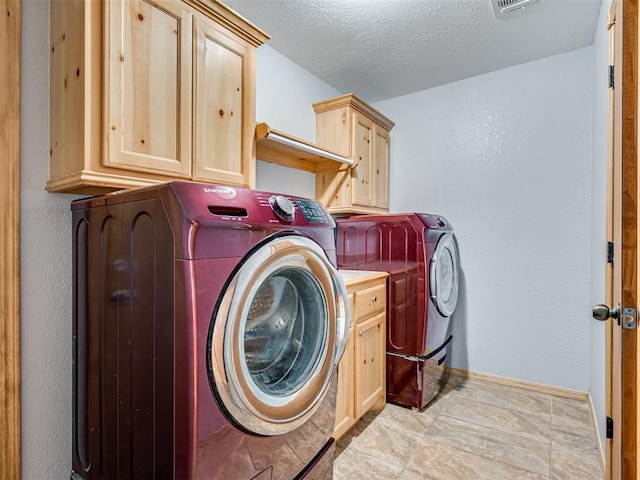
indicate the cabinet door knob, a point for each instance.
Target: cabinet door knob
{"x":375,"y":298}
{"x":361,"y":333}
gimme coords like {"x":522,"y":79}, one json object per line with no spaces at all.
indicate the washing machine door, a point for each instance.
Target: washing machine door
{"x":278,"y":333}
{"x":443,"y":275}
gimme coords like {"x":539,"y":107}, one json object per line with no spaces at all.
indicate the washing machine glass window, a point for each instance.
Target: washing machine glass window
{"x":277,"y":334}
{"x":443,"y":275}
{"x":285,"y":332}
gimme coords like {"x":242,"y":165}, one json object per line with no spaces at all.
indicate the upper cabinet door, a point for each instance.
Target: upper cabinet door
{"x":362,"y":156}
{"x":149,"y":86}
{"x":380,"y":167}
{"x":223,"y":91}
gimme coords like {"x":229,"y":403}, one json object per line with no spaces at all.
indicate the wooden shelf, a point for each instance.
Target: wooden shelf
{"x":283,"y":149}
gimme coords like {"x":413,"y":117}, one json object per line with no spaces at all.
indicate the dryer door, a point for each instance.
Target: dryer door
{"x":278,"y":333}
{"x":443,"y":275}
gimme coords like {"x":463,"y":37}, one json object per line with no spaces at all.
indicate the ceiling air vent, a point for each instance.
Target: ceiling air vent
{"x":504,"y":7}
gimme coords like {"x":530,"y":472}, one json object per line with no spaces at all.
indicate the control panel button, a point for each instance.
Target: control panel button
{"x":282,"y":207}
{"x":312,"y":211}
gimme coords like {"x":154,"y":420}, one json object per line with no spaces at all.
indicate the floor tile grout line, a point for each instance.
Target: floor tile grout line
{"x":541,"y":439}
{"x":475,"y":454}
{"x":494,"y":459}
{"x":509,"y":408}
{"x":374,"y":457}
{"x":488,"y":385}
{"x":517,"y":410}
{"x":443,"y":412}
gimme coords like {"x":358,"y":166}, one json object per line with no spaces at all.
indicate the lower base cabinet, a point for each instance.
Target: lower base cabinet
{"x":361,"y":371}
{"x":345,"y":406}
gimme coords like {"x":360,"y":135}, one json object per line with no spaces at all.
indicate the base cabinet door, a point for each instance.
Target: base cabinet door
{"x":370,"y":381}
{"x":345,"y":406}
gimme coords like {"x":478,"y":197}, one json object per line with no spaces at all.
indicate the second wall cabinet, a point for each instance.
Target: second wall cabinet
{"x":174,"y":96}
{"x":351,"y":127}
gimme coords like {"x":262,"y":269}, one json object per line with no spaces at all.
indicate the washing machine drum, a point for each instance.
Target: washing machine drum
{"x":277,"y":335}
{"x":443,"y":275}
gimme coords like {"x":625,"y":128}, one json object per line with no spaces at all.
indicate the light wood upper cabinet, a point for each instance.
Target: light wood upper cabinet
{"x":173,"y":98}
{"x":353,"y":128}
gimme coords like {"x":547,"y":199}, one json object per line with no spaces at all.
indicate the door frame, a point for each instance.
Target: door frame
{"x":629,"y":225}
{"x":10,"y":239}
{"x":622,"y":286}
{"x":613,"y":444}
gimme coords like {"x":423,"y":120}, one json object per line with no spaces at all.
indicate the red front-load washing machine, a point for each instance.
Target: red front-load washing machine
{"x":419,"y":252}
{"x":207,"y":325}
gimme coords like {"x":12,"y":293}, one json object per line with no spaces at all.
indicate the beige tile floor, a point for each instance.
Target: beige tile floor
{"x":475,"y":430}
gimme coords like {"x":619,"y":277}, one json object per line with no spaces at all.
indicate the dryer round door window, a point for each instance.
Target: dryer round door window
{"x":285,"y":333}
{"x":280,"y":328}
{"x":443,"y":275}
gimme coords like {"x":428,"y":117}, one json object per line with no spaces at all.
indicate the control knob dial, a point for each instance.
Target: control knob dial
{"x":282,"y":207}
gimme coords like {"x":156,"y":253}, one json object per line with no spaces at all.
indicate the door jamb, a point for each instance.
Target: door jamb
{"x":10,"y":11}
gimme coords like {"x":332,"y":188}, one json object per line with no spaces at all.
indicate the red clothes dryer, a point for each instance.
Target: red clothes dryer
{"x":208,"y":322}
{"x":420,"y":254}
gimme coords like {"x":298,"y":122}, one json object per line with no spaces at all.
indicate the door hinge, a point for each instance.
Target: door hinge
{"x":629,"y":318}
{"x":609,"y":427}
{"x":611,"y":76}
{"x":610,"y":252}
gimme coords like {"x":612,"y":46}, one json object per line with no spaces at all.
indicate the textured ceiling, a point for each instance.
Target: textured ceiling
{"x":382,"y":49}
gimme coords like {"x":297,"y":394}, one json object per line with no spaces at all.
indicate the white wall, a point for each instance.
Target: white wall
{"x":284,"y":96}
{"x":506,"y":157}
{"x":45,"y":254}
{"x":598,"y":213}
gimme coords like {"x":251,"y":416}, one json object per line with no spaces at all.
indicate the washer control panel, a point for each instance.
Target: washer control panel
{"x":435,"y":221}
{"x":312,"y":211}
